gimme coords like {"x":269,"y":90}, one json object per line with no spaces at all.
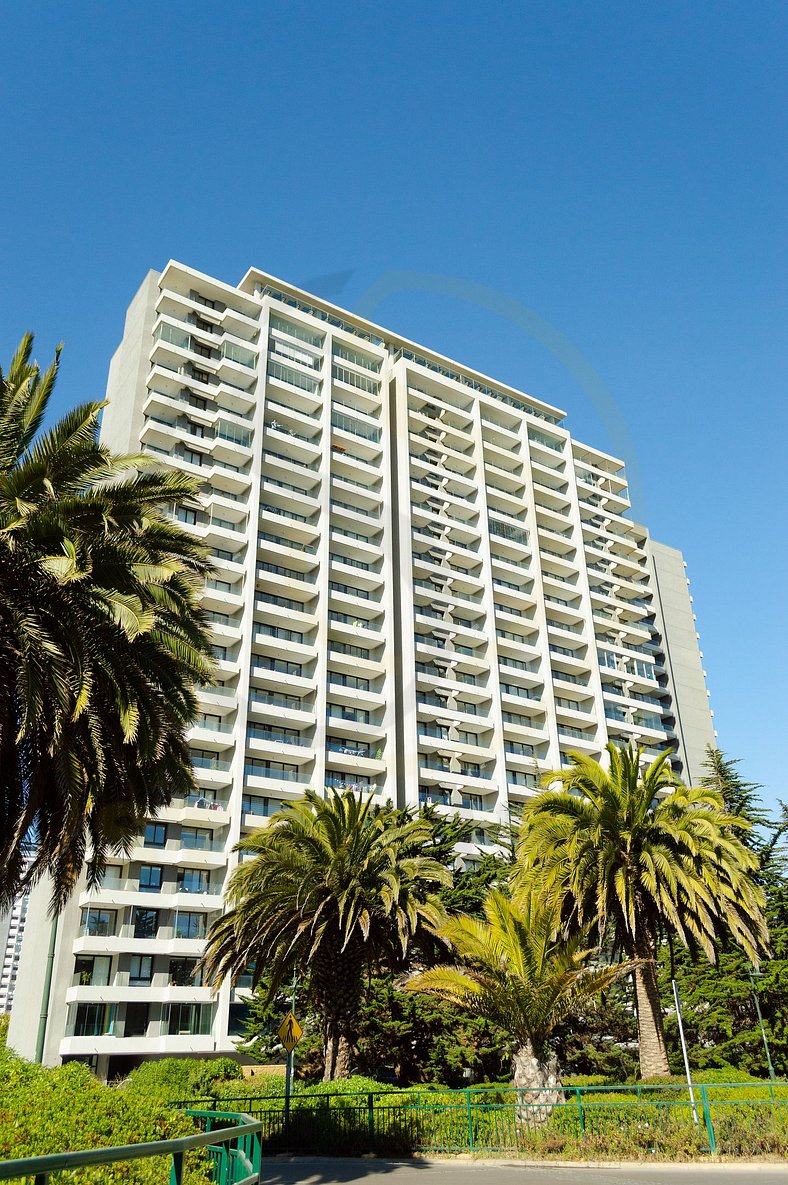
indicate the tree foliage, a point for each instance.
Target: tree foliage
{"x":394,"y":1033}
{"x":334,"y":885}
{"x":634,"y":854}
{"x":718,"y":1006}
{"x":517,"y":970}
{"x":101,"y":639}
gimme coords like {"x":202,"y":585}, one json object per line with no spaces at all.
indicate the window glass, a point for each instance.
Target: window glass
{"x":136,"y":1024}
{"x":155,"y":835}
{"x":198,"y":838}
{"x":146,"y":922}
{"x":239,"y":1014}
{"x":140,"y":970}
{"x":89,"y":1020}
{"x":191,"y":925}
{"x":193,"y":880}
{"x":150,"y":878}
{"x":253,"y":804}
{"x":189,"y":1019}
{"x":98,"y":923}
{"x":182,"y":973}
{"x":92,"y":970}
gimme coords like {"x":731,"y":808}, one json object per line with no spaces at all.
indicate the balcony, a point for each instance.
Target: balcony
{"x":290,"y":377}
{"x":355,"y":427}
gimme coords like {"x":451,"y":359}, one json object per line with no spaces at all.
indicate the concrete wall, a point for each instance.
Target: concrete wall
{"x":676,"y":622}
{"x":122,"y":419}
{"x":29,"y":1000}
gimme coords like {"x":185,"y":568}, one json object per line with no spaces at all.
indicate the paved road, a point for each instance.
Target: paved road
{"x":309,"y":1171}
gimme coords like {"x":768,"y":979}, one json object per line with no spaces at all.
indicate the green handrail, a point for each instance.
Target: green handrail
{"x":249,"y":1162}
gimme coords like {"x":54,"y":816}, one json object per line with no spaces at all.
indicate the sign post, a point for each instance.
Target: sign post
{"x":290,"y":1033}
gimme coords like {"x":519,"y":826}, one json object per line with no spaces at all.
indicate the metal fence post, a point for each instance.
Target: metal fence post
{"x":579,"y":1098}
{"x":470,"y":1119}
{"x":704,"y":1098}
{"x":371,"y":1121}
{"x":176,"y":1173}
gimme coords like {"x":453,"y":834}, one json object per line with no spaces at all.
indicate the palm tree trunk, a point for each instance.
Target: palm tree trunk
{"x":338,"y":1057}
{"x":651,"y":1031}
{"x":538,"y":1084}
{"x":336,"y":979}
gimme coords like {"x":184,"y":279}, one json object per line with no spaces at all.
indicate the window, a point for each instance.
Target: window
{"x":89,"y":1020}
{"x":192,"y":456}
{"x":145,"y":922}
{"x":98,"y":923}
{"x":210,"y":720}
{"x":155,"y":835}
{"x":186,"y":515}
{"x":343,"y":781}
{"x":136,"y":1020}
{"x":191,"y":925}
{"x":253,"y":804}
{"x":346,"y":745}
{"x":193,"y":880}
{"x":239,"y":1014}
{"x":202,"y":798}
{"x":150,"y":878}
{"x":339,"y":712}
{"x":140,"y":970}
{"x":189,"y":1019}
{"x":263,"y":768}
{"x":183,"y":973}
{"x":92,"y":970}
{"x":207,"y":759}
{"x":198,"y":838}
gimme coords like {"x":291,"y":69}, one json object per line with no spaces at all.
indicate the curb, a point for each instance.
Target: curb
{"x":669,"y":1166}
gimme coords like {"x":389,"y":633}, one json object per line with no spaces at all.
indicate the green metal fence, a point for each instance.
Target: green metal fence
{"x":615,"y":1121}
{"x":234,"y":1153}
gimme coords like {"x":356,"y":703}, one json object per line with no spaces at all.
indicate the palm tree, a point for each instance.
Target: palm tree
{"x":517,"y":969}
{"x":634,"y":853}
{"x":101,"y":639}
{"x":334,"y":885}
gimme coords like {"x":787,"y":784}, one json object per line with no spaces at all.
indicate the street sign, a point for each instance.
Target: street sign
{"x":290,"y":1032}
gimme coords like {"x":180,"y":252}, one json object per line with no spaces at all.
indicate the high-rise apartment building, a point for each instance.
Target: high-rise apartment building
{"x":12,"y":931}
{"x":425,"y":588}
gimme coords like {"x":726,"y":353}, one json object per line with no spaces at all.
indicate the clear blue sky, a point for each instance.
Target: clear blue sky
{"x":618,"y":169}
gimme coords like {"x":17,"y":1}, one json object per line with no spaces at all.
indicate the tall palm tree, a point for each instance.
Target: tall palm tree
{"x":101,"y":639}
{"x":333,"y":885}
{"x":517,"y":969}
{"x":634,"y":853}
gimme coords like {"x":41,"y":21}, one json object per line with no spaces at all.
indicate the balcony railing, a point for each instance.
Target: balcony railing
{"x":347,"y":424}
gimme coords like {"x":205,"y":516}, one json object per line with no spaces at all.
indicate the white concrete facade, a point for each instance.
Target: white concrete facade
{"x":424,"y":586}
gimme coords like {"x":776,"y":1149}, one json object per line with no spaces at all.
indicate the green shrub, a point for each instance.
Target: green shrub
{"x":67,"y":1109}
{"x":270,"y":1088}
{"x":590,"y":1080}
{"x":176,"y":1079}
